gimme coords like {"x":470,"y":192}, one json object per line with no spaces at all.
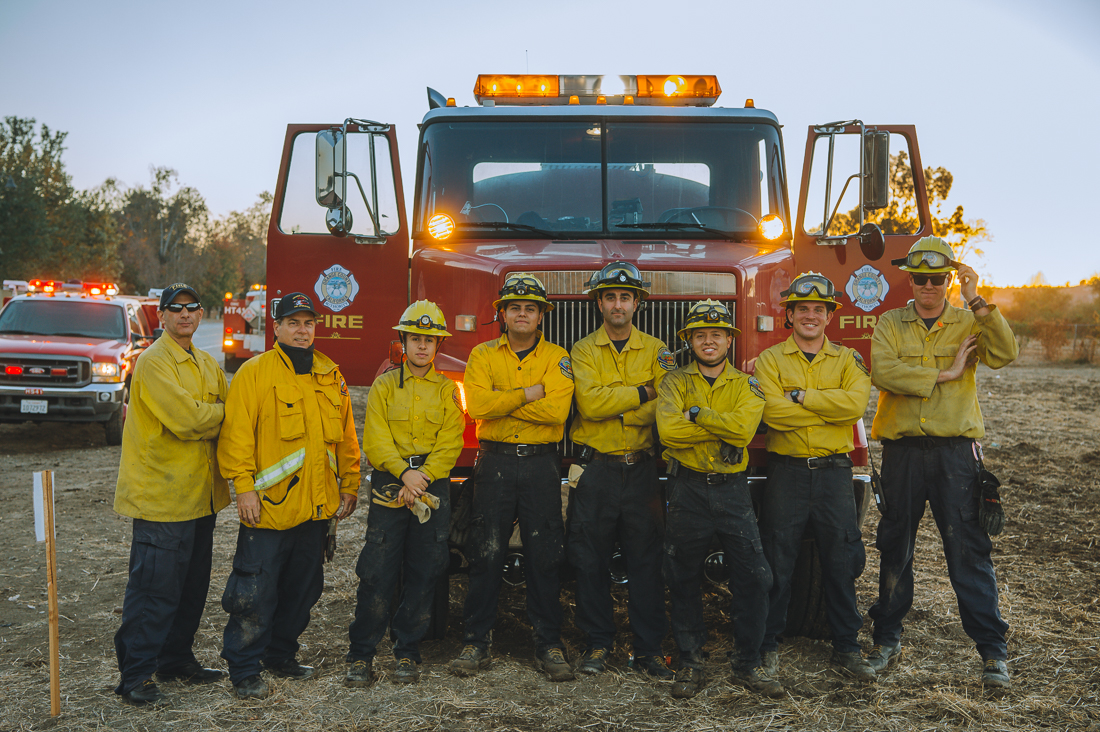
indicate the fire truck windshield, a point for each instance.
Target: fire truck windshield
{"x":63,"y":317}
{"x":610,"y":177}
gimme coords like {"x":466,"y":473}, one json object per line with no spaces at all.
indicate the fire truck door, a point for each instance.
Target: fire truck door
{"x":859,"y":179}
{"x":339,"y":234}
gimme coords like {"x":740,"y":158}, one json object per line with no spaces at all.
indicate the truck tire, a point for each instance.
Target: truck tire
{"x":806,"y":611}
{"x":113,"y":427}
{"x":232,"y":363}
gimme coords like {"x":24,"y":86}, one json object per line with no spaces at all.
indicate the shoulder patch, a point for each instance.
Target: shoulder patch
{"x":666,"y":360}
{"x":754,"y":387}
{"x":343,"y":387}
{"x":861,"y":363}
{"x":566,"y":367}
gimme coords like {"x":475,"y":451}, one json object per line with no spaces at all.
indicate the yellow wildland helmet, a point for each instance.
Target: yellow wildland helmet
{"x":708,"y":314}
{"x":423,"y":317}
{"x":810,"y":287}
{"x":930,"y":255}
{"x":618,"y":276}
{"x":523,"y":286}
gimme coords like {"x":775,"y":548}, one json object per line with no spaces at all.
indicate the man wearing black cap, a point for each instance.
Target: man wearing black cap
{"x":168,"y":482}
{"x":290,"y":448}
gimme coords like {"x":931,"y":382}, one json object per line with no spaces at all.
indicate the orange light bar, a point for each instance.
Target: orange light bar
{"x":34,"y":285}
{"x":515,"y":85}
{"x":229,"y":296}
{"x":704,"y":87}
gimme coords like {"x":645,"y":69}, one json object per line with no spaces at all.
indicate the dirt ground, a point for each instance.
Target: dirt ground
{"x":1042,"y":425}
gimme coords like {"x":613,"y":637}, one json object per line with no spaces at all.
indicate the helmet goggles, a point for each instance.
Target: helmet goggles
{"x":622,"y":275}
{"x":934,"y":260}
{"x":708,"y":314}
{"x":425,"y":322}
{"x":523,"y":287}
{"x":807,"y":283}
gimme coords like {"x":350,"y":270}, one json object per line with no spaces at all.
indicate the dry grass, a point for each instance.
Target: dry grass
{"x":1044,"y":421}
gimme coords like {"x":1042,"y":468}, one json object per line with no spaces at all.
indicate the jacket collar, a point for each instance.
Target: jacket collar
{"x":177,"y":351}
{"x":322,"y":364}
{"x":433,"y":376}
{"x":634,"y":341}
{"x":950,"y":314}
{"x":502,"y":342}
{"x":828,"y":349}
{"x":727,"y":372}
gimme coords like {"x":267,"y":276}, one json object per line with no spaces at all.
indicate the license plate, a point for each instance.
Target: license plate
{"x":33,"y":406}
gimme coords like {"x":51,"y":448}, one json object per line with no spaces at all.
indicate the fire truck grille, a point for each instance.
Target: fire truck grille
{"x":37,"y":371}
{"x":571,"y":320}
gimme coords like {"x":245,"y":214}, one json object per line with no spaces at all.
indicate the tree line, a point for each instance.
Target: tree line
{"x":140,"y":237}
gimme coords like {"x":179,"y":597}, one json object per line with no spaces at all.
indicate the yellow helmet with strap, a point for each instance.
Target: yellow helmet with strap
{"x":708,"y":314}
{"x":930,"y":255}
{"x":423,"y":317}
{"x":523,"y":286}
{"x":810,"y":287}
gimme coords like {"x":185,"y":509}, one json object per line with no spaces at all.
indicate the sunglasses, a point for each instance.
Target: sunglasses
{"x":920,"y":280}
{"x":178,"y":307}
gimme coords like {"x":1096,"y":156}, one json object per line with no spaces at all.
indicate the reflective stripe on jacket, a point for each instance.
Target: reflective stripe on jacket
{"x":729,"y":412}
{"x":495,"y":380}
{"x":169,"y":465}
{"x":291,"y":437}
{"x":837,"y":388}
{"x":610,"y":416}
{"x":423,"y":418}
{"x":906,"y":359}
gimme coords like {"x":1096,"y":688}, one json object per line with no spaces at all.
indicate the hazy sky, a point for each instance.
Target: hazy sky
{"x":1004,"y":93}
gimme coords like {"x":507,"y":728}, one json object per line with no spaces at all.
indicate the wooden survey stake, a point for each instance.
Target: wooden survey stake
{"x":43,"y":495}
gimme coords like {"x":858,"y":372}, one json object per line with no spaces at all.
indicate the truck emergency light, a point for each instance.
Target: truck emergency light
{"x":671,"y":90}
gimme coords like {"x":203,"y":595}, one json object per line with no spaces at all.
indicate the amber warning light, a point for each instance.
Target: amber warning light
{"x":653,"y":90}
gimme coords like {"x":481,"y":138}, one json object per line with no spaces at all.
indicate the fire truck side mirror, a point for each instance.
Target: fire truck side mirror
{"x":331,"y":180}
{"x":876,"y":171}
{"x":871,"y":242}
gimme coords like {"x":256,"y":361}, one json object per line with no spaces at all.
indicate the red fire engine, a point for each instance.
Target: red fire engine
{"x":560,"y":175}
{"x":243,"y":319}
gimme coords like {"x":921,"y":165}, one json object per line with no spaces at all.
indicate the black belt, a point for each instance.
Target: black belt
{"x":519,"y":450}
{"x":928,"y":443}
{"x":840,"y":460}
{"x":416,"y":461}
{"x":627,"y":458}
{"x":708,"y":478}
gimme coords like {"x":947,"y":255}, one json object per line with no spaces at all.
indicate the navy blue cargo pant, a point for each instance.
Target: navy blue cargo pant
{"x":276,"y":580}
{"x":820,"y":500}
{"x":165,"y":597}
{"x":398,"y":545}
{"x":618,"y":502}
{"x":697,"y":513}
{"x":944,"y":476}
{"x":507,"y":487}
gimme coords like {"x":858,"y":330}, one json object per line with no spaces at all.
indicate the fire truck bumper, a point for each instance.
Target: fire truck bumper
{"x":91,"y":403}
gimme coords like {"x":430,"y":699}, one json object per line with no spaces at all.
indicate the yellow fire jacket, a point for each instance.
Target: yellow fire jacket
{"x":729,"y":412}
{"x":421,"y":418}
{"x":169,"y":465}
{"x":610,"y":416}
{"x":837,"y":387}
{"x":906,"y":358}
{"x":290,"y":437}
{"x":495,"y":380}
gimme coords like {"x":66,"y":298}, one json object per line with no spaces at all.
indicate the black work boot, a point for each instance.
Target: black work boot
{"x":655,"y":666}
{"x":290,"y":669}
{"x":855,"y":664}
{"x":145,"y":693}
{"x":470,"y":661}
{"x":594,"y":661}
{"x":253,"y":687}
{"x":882,"y":655}
{"x":407,"y":672}
{"x":689,"y":680}
{"x":995,"y":675}
{"x":756,"y":679}
{"x":360,"y":675}
{"x":553,"y":662}
{"x":191,"y":672}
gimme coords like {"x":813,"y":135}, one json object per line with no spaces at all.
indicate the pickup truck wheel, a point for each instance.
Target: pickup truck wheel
{"x":806,"y":611}
{"x":113,"y":426}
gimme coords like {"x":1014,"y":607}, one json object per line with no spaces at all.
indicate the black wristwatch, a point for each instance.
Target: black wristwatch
{"x":693,"y":413}
{"x":794,"y":395}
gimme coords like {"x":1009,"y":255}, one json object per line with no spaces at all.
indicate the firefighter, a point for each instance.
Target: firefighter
{"x":290,"y":448}
{"x":519,"y":389}
{"x":923,"y":359}
{"x":412,"y":437}
{"x":168,"y":481}
{"x":617,"y":498}
{"x":707,"y":412}
{"x":814,"y":391}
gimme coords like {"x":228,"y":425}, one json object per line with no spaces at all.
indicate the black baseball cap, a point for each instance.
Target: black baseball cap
{"x":170,"y":293}
{"x":295,"y":302}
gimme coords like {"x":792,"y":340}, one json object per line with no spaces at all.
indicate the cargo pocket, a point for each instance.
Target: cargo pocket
{"x":371,"y":559}
{"x":329,"y":405}
{"x":157,"y":564}
{"x":856,"y":552}
{"x":292,"y":424}
{"x":434,"y":417}
{"x":243,"y":590}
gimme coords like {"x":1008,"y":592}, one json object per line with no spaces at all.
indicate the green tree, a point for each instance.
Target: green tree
{"x":47,"y":228}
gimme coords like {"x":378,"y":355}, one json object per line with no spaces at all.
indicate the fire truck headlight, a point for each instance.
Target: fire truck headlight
{"x":441,"y":226}
{"x":771,"y":227}
{"x":106,"y":372}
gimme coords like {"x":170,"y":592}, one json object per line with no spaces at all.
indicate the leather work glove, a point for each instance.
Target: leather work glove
{"x":991,"y":515}
{"x":421,"y":508}
{"x":330,"y":540}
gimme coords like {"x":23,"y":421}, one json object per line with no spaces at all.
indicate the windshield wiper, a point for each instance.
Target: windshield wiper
{"x":20,"y":332}
{"x":679,"y":225}
{"x":86,"y":335}
{"x":506,"y":225}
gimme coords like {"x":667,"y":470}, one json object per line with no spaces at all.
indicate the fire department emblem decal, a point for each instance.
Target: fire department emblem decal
{"x":337,"y":288}
{"x":867,"y":288}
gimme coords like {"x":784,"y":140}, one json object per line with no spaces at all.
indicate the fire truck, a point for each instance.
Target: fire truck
{"x":243,"y":321}
{"x":559,"y":175}
{"x":67,"y":352}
